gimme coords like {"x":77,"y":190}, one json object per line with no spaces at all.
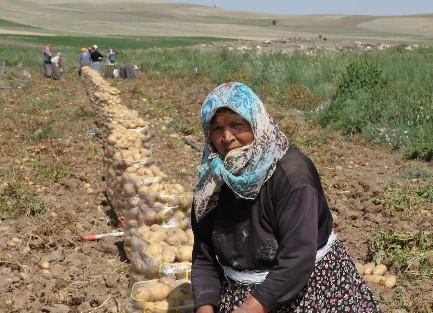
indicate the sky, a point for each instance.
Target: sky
{"x":301,"y":7}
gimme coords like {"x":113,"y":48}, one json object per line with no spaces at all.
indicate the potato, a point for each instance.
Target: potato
{"x":157,"y":236}
{"x":375,"y":279}
{"x":368,"y":268}
{"x":162,"y":306}
{"x":190,"y":236}
{"x":154,"y":250}
{"x":159,"y":290}
{"x":164,"y":215}
{"x":184,"y":254}
{"x":168,"y":199}
{"x":144,"y":295}
{"x":154,"y":291}
{"x":179,"y":188}
{"x":389,"y":281}
{"x":168,"y":255}
{"x":156,"y":227}
{"x":360,"y":268}
{"x":150,"y":217}
{"x":380,"y":269}
{"x":142,"y":231}
{"x":128,"y":190}
{"x":176,"y":237}
{"x":44,"y":265}
{"x":133,"y":202}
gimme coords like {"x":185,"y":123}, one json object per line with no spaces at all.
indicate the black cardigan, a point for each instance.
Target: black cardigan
{"x":280,"y":231}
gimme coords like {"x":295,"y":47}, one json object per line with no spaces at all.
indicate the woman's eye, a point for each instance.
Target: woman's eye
{"x":215,"y":128}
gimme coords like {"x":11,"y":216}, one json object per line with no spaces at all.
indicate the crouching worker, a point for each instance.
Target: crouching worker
{"x":128,"y":70}
{"x":263,"y":234}
{"x":57,"y":66}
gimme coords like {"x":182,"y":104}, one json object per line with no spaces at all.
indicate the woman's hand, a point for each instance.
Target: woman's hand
{"x":251,"y":305}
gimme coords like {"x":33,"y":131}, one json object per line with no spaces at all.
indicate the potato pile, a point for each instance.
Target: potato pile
{"x":124,"y":148}
{"x":155,"y":209}
{"x":148,"y":198}
{"x":163,"y":295}
{"x":376,"y":274}
{"x":161,"y":252}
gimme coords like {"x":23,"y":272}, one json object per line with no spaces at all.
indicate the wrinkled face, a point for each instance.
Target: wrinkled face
{"x":229,"y":130}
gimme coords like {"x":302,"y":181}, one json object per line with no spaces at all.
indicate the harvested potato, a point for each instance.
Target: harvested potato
{"x":144,"y":295}
{"x":190,"y":236}
{"x":153,"y":291}
{"x":380,"y":269}
{"x":389,"y":281}
{"x":128,"y":190}
{"x":169,"y":255}
{"x":184,"y":254}
{"x":368,"y":268}
{"x":157,"y":236}
{"x":154,"y":250}
{"x":360,"y":268}
{"x":159,"y":291}
{"x":176,"y":237}
{"x":142,"y":231}
{"x":150,"y":217}
{"x":162,"y":306}
{"x":156,"y":227}
{"x":375,"y":279}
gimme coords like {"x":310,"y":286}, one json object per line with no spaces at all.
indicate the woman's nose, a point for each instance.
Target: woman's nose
{"x":227,"y":136}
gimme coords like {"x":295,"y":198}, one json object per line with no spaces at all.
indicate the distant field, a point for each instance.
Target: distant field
{"x":157,"y":18}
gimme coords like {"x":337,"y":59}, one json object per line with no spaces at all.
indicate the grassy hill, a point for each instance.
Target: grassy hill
{"x":156,"y":18}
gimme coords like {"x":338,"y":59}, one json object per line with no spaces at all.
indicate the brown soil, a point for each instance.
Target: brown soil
{"x":66,"y":172}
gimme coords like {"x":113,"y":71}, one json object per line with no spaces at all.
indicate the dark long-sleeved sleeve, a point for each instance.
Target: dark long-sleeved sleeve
{"x":205,"y":274}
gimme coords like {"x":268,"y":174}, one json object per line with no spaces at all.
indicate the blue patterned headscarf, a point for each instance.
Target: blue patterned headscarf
{"x":243,"y":170}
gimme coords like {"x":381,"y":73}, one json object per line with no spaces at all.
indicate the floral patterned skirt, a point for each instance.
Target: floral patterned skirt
{"x":334,"y":286}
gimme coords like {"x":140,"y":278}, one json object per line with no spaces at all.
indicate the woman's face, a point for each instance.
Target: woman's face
{"x":228,"y":130}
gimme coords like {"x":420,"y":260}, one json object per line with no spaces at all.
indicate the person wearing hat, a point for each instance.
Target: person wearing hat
{"x":96,"y":58}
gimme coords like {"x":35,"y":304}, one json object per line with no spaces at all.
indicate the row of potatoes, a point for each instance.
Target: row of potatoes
{"x":376,"y":274}
{"x":161,"y":296}
{"x":154,"y":208}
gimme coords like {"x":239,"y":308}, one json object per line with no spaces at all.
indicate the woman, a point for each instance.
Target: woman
{"x":111,"y":63}
{"x":57,"y":66}
{"x":262,"y":227}
{"x":84,"y":58}
{"x":48,"y":69}
{"x":96,"y":58}
{"x":128,"y":70}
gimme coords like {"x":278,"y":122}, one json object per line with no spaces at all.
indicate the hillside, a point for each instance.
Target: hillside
{"x":157,"y":18}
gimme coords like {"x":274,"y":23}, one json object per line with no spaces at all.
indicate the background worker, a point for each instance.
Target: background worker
{"x":96,"y":58}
